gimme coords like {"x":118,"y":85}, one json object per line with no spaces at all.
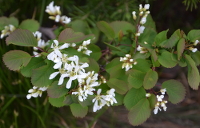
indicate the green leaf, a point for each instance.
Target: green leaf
{"x":136,"y":78}
{"x":106,"y":29}
{"x":193,"y":35}
{"x":139,"y":113}
{"x":142,"y":65}
{"x":15,"y":59}
{"x":193,"y":73}
{"x":119,"y":99}
{"x":96,"y":51}
{"x":40,"y":76}
{"x":120,"y":86}
{"x":166,"y":59}
{"x":152,"y":101}
{"x":150,"y":79}
{"x":173,"y":40}
{"x":4,"y":21}
{"x":122,"y":26}
{"x":22,"y":37}
{"x":196,"y":57}
{"x":30,"y":24}
{"x":133,"y":97}
{"x":93,"y":65}
{"x":161,"y":37}
{"x":35,"y":62}
{"x":69,"y":36}
{"x":180,"y":48}
{"x":56,"y":91}
{"x":79,"y":26}
{"x":114,"y":68}
{"x":68,"y":100}
{"x":57,"y":102}
{"x":175,"y":90}
{"x":78,"y":110}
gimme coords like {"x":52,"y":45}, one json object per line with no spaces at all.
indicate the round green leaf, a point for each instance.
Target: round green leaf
{"x":194,"y":35}
{"x":136,"y":78}
{"x":142,"y":65}
{"x":57,"y":102}
{"x":16,"y":59}
{"x":160,"y":37}
{"x":30,"y":24}
{"x":175,"y":90}
{"x":139,"y":113}
{"x":35,"y":62}
{"x":56,"y":91}
{"x":40,"y":76}
{"x":96,"y":51}
{"x":166,"y":59}
{"x":152,"y":101}
{"x":93,"y":65}
{"x":150,"y":79}
{"x":133,"y":97}
{"x":120,"y":86}
{"x":78,"y":110}
{"x":22,"y":37}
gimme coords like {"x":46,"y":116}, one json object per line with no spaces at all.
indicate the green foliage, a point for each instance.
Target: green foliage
{"x":22,"y":37}
{"x":29,"y":24}
{"x":78,"y":110}
{"x":140,"y":112}
{"x":57,"y":102}
{"x":55,"y":91}
{"x":120,"y":86}
{"x":166,"y":59}
{"x":133,"y":97}
{"x":40,"y":76}
{"x":193,"y":73}
{"x":193,"y":35}
{"x":136,"y":78}
{"x":175,"y":90}
{"x":16,"y":59}
{"x":150,"y":79}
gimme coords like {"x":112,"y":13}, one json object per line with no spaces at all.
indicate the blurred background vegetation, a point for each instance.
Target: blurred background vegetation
{"x":18,"y":112}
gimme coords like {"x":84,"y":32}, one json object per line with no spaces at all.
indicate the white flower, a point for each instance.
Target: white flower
{"x":53,"y":10}
{"x":98,"y":101}
{"x":156,"y":108}
{"x":83,"y":47}
{"x":143,"y":20}
{"x":146,"y":7}
{"x":61,"y":61}
{"x":141,"y":29}
{"x":80,"y":94}
{"x":163,"y":91}
{"x":7,"y":30}
{"x":56,"y":50}
{"x":35,"y":92}
{"x":159,"y":98}
{"x":65,"y":19}
{"x":134,"y":15}
{"x":193,"y":49}
{"x":110,"y":97}
{"x":163,"y":105}
{"x":128,"y":62}
{"x":196,"y":42}
{"x":148,"y":94}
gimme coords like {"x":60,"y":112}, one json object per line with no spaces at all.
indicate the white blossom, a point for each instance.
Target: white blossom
{"x":134,"y":15}
{"x":196,"y":42}
{"x":7,"y":30}
{"x":98,"y":101}
{"x":35,"y":92}
{"x":193,"y":49}
{"x":53,"y":10}
{"x":163,"y":91}
{"x":80,"y":94}
{"x":156,"y":108}
{"x":127,"y":62}
{"x":148,"y":94}
{"x":160,"y":97}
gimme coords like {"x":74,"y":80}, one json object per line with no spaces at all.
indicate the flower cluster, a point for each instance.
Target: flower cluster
{"x":41,"y":43}
{"x":83,"y":48}
{"x":193,"y":45}
{"x":55,"y":14}
{"x":160,"y":102}
{"x":7,"y":30}
{"x":71,"y":69}
{"x":127,"y":62}
{"x":143,"y":13}
{"x":35,"y":92}
{"x":102,"y":100}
